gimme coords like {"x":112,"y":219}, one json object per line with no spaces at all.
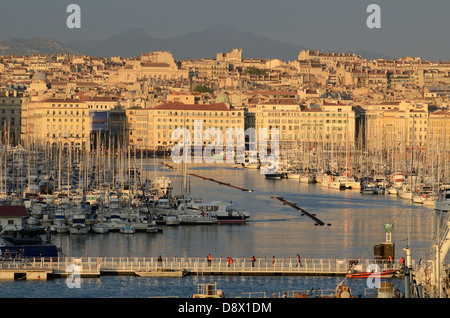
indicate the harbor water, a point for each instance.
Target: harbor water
{"x":354,"y":224}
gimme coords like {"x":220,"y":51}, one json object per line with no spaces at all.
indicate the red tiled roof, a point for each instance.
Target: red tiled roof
{"x":16,"y":211}
{"x":180,"y":106}
{"x":154,"y":64}
{"x":60,"y":100}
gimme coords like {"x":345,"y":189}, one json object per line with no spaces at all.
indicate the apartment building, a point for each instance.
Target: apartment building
{"x":153,"y":127}
{"x":439,"y":130}
{"x":396,"y":125}
{"x":329,"y":123}
{"x":55,"y":120}
{"x":10,"y":113}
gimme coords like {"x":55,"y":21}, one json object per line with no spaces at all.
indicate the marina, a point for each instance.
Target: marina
{"x":355,"y":222}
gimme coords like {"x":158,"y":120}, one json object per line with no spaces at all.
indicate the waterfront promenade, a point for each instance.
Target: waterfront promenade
{"x":100,"y":266}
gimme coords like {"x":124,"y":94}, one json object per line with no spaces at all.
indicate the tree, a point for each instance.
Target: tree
{"x":202,"y":89}
{"x":254,"y":71}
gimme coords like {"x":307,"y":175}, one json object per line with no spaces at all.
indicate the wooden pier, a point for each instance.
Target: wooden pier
{"x":130,"y":266}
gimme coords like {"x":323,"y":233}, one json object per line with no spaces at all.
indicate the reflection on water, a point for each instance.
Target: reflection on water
{"x":274,"y":229}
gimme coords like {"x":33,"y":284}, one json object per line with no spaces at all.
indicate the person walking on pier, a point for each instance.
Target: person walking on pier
{"x":299,"y":260}
{"x":209,"y":259}
{"x":229,"y":260}
{"x":253,"y":260}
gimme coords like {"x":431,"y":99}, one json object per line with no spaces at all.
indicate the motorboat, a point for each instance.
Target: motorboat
{"x":100,"y":227}
{"x":172,"y":220}
{"x":405,"y":193}
{"x":199,"y":219}
{"x":274,"y":175}
{"x":115,"y":222}
{"x":152,"y":228}
{"x":224,"y":212}
{"x":307,"y":178}
{"x":392,"y":190}
{"x":368,"y":190}
{"x":127,"y":229}
{"x":59,"y":228}
{"x":293,"y":175}
{"x":78,"y":225}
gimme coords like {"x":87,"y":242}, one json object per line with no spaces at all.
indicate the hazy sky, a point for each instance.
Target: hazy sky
{"x":408,"y":27}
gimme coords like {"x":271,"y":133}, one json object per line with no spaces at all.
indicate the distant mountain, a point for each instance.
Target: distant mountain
{"x":10,"y":46}
{"x":136,"y":41}
{"x":202,"y":44}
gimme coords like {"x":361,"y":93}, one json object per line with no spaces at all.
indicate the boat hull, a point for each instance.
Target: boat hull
{"x":78,"y":230}
{"x":231,"y":220}
{"x":162,"y":273}
{"x":274,"y":176}
{"x":100,"y":229}
{"x":385,"y":274}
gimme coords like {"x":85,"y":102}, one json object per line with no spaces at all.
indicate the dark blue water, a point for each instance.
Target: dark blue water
{"x":185,"y":287}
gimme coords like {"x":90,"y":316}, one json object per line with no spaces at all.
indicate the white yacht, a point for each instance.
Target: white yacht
{"x":78,"y":225}
{"x":100,"y":227}
{"x":223,"y":211}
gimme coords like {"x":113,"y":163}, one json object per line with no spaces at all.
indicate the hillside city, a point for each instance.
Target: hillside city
{"x":330,"y":99}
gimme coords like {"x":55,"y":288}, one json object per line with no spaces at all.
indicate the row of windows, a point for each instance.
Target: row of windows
{"x":77,"y":113}
{"x":297,"y":114}
{"x":297,"y":121}
{"x":64,"y":135}
{"x":176,"y":113}
{"x":158,"y":127}
{"x":233,"y":121}
{"x":65,"y":105}
{"x":65,"y":120}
